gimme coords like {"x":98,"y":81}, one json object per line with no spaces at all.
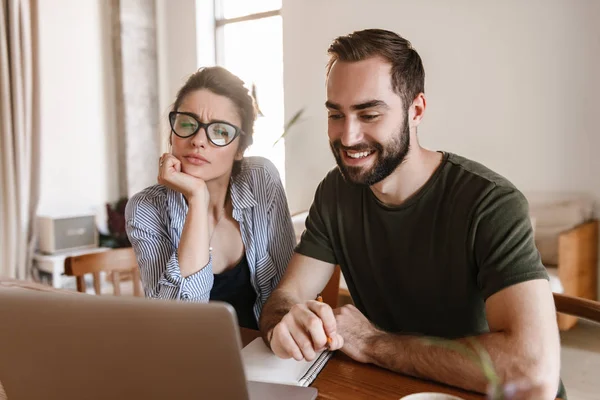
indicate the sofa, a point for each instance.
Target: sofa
{"x":566,"y":235}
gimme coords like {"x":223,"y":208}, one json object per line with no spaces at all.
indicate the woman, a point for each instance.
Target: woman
{"x":217,"y":225}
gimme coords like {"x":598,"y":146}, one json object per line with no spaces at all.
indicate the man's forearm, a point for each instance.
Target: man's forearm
{"x":416,"y":356}
{"x":276,"y":307}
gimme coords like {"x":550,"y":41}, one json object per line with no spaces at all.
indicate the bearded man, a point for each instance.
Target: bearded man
{"x":429,"y":243}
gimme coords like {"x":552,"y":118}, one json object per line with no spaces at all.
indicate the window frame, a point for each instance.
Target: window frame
{"x":220,"y":22}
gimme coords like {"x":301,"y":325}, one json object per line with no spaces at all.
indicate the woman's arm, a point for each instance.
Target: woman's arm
{"x":168,"y":273}
{"x":193,"y":252}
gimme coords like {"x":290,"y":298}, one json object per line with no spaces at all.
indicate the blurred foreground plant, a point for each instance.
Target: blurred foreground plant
{"x":496,"y":389}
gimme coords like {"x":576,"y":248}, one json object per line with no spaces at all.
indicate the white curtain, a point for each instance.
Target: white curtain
{"x":19,"y":136}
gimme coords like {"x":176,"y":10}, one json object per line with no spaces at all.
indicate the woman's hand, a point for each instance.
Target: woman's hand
{"x":170,"y":175}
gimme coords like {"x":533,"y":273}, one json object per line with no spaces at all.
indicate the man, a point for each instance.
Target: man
{"x":430,"y":243}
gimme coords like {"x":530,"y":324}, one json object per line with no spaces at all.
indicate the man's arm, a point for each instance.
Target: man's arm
{"x":292,"y":323}
{"x":523,"y":344}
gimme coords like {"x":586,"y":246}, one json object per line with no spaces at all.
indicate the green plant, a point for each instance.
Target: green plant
{"x":117,"y":234}
{"x":286,"y":129}
{"x":293,"y":121}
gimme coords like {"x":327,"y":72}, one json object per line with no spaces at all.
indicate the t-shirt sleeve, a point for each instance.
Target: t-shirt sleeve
{"x":316,"y":240}
{"x":503,"y":242}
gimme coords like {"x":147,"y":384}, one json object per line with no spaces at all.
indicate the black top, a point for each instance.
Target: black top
{"x":233,"y":286}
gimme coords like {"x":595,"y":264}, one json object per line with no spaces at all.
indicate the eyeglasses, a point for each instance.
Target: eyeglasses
{"x":218,"y":133}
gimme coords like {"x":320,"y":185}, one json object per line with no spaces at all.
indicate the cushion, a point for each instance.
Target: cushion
{"x":299,"y":221}
{"x":555,"y":284}
{"x":555,"y":213}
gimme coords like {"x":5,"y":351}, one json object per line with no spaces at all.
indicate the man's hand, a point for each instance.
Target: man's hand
{"x":291,"y":313}
{"x":170,"y":175}
{"x":357,"y":332}
{"x":304,"y":330}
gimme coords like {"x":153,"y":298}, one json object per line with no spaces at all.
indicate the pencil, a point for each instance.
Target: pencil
{"x":320,"y":300}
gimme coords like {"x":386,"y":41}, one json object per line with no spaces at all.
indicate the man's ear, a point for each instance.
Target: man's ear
{"x":417,"y":110}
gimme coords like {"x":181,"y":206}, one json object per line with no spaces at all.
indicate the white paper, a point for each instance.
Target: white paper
{"x":261,"y":365}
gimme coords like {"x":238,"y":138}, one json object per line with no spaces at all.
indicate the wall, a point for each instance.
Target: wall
{"x":185,"y":41}
{"x":136,"y":70}
{"x":79,"y":166}
{"x":78,"y":148}
{"x":511,"y":84}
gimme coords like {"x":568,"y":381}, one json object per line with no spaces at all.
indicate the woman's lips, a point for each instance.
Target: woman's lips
{"x":196,"y":159}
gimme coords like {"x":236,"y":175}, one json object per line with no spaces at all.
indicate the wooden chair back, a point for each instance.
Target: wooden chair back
{"x":578,"y":265}
{"x":114,"y":262}
{"x":577,"y":307}
{"x":332,"y":290}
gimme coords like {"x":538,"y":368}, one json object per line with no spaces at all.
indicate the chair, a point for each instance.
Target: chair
{"x":580,"y":347}
{"x":578,"y":265}
{"x":566,"y":235}
{"x":331,"y":291}
{"x":577,"y":307}
{"x":114,"y":262}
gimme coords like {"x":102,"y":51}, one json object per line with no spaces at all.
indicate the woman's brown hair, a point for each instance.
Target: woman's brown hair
{"x":222,"y":82}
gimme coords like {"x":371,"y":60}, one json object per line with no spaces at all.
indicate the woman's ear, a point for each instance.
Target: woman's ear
{"x":240,"y":152}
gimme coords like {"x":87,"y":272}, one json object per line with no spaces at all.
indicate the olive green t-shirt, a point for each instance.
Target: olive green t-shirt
{"x":427,"y":266}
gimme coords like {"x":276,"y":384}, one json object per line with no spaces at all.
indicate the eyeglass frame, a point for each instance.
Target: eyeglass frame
{"x":172,"y":114}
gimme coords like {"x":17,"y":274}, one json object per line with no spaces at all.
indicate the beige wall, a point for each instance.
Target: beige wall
{"x":79,"y":139}
{"x":78,"y":145}
{"x":511,"y":84}
{"x":185,"y":41}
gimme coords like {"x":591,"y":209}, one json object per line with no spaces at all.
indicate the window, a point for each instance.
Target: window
{"x":248,"y":42}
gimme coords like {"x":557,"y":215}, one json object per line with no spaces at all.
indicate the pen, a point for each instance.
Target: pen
{"x":320,"y":300}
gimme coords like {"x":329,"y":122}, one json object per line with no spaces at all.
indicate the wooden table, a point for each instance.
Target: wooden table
{"x":13,"y":283}
{"x":342,"y":378}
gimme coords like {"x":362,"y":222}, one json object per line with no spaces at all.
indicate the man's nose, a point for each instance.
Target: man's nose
{"x":351,"y":132}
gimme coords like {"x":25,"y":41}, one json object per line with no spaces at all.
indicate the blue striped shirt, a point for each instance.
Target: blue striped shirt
{"x":155,"y":219}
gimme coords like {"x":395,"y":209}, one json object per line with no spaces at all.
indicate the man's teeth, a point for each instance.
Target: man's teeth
{"x":362,"y":154}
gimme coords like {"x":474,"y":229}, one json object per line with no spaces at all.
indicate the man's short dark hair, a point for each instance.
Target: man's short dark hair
{"x":408,"y":74}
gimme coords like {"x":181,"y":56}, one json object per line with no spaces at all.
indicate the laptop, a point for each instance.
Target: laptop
{"x":61,"y":346}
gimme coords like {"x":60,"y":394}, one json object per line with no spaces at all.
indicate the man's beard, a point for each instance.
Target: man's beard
{"x":388,"y":157}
